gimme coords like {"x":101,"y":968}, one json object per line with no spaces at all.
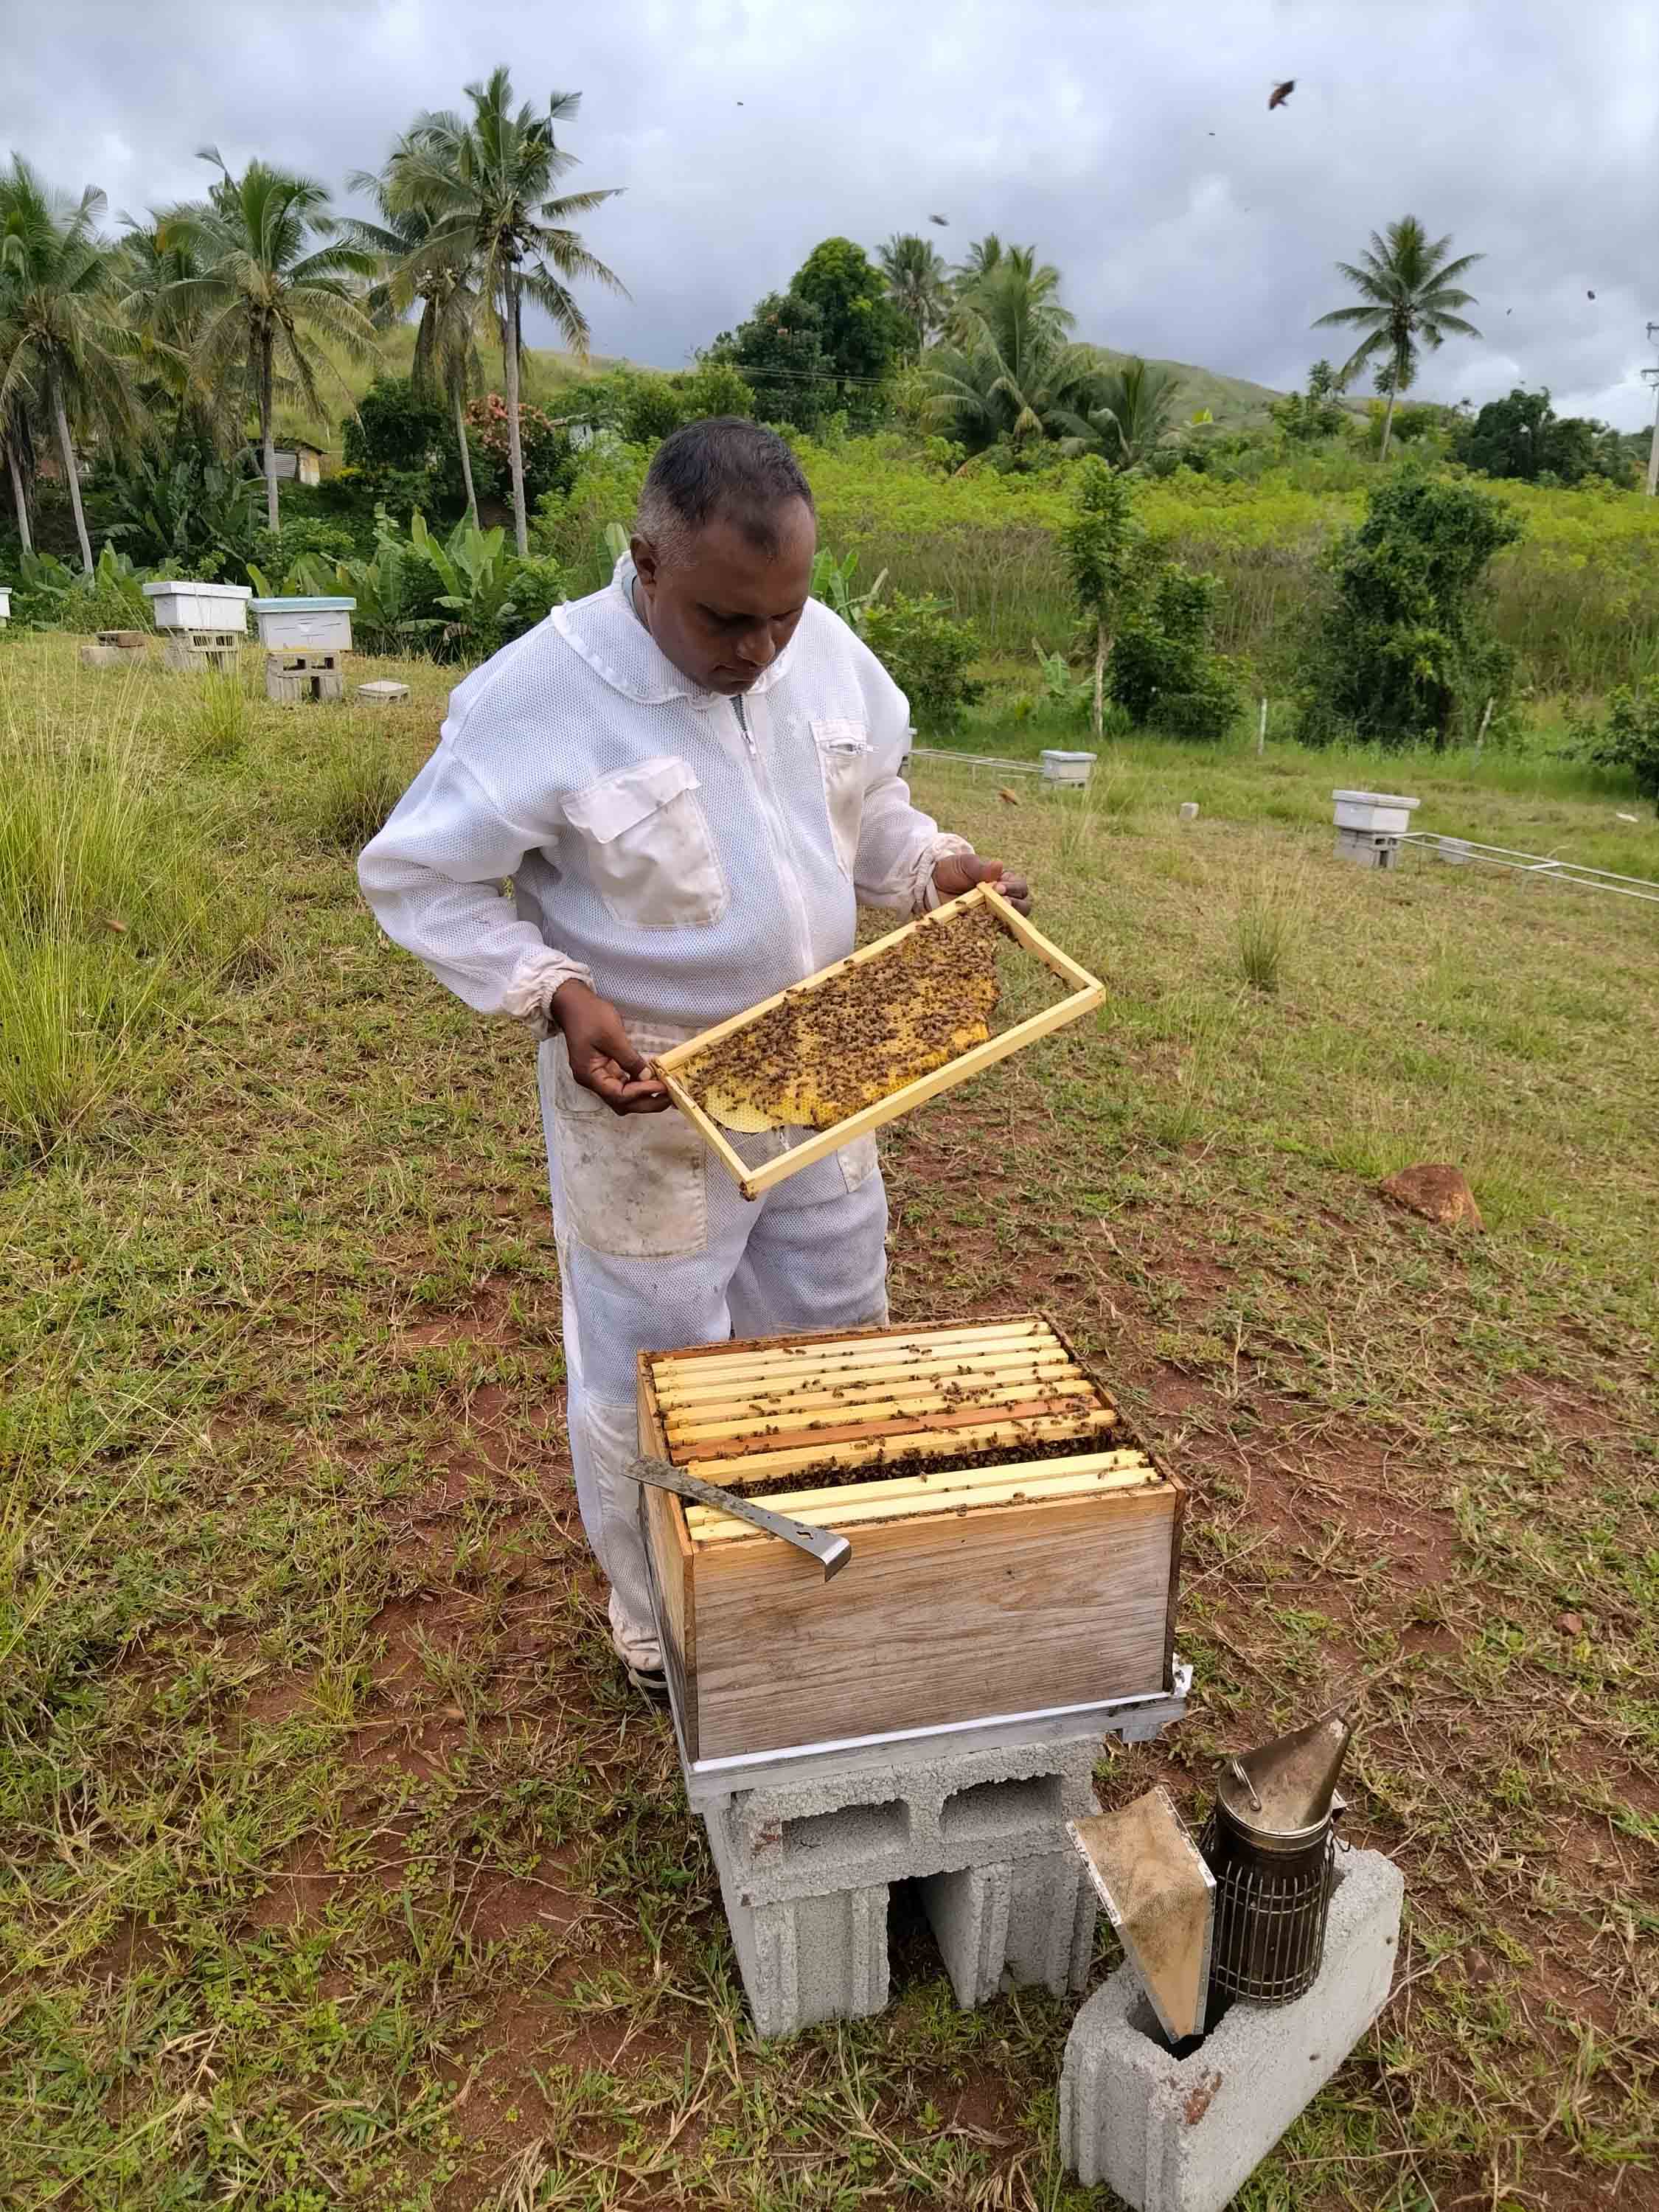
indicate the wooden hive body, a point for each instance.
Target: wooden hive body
{"x":1015,"y":1551}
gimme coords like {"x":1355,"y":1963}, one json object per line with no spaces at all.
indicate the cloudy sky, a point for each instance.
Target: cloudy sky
{"x":1130,"y":139}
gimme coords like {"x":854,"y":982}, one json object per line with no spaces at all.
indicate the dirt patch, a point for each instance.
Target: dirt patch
{"x":299,"y":1889}
{"x":281,"y":1701}
{"x":484,"y":1320}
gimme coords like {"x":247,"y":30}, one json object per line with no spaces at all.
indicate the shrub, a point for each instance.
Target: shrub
{"x":1163,"y":671}
{"x":1629,"y":738}
{"x":1401,"y":652}
{"x":643,"y":406}
{"x":50,"y":594}
{"x":278,"y":553}
{"x":188,"y":517}
{"x":927,"y":653}
{"x":550,"y":460}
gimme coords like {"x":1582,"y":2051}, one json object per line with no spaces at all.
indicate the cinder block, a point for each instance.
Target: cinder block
{"x":888,"y":1823}
{"x":1172,"y":2134}
{"x":1368,"y":848}
{"x":969,"y":1915}
{"x":808,"y":1958}
{"x":103,"y":656}
{"x":1051,"y":1924}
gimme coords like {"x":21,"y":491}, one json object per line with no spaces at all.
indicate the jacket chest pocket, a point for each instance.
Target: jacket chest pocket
{"x":843,"y":751}
{"x":647,"y":847}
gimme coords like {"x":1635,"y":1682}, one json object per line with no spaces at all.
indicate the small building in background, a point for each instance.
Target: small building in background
{"x":299,"y":461}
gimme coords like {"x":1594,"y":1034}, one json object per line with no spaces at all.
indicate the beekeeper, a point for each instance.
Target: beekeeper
{"x":692,"y":780}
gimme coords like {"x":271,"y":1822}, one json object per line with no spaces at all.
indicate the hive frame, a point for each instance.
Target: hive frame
{"x":1086,"y":992}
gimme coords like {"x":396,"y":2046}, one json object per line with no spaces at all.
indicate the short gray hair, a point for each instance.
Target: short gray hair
{"x":724,"y":468}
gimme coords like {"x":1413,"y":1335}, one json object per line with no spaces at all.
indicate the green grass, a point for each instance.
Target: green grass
{"x":337,"y":1865}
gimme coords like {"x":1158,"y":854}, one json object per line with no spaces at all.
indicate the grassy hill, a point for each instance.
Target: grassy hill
{"x":546,"y":376}
{"x":1233,"y":400}
{"x":549,"y":375}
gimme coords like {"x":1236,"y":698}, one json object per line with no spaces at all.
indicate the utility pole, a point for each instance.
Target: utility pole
{"x":1651,"y":376}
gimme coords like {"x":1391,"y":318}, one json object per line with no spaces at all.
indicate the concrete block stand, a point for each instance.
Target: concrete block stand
{"x":805,"y":1870}
{"x":1172,"y":2134}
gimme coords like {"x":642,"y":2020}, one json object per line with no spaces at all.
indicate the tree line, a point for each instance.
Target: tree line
{"x":187,"y":333}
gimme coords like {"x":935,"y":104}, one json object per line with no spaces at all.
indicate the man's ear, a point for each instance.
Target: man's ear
{"x":644,"y":554}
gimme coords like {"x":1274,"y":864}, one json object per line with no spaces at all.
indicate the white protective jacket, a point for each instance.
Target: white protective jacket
{"x":684,"y":855}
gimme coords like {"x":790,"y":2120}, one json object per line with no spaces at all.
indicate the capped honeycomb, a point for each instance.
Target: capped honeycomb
{"x":826,"y":1051}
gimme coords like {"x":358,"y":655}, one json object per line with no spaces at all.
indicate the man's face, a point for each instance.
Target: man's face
{"x":723,"y":610}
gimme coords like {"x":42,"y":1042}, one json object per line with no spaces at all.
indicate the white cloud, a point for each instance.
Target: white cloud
{"x":1131,"y":141}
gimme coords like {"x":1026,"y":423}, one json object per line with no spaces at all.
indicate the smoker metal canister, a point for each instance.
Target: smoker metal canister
{"x":1270,"y":1844}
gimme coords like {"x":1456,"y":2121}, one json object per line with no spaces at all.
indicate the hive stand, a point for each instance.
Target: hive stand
{"x":807,"y":1848}
{"x":1368,"y":848}
{"x":196,"y":649}
{"x":292,"y":677}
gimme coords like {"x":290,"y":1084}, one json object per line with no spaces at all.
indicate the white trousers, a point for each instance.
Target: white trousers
{"x":657,"y":1249}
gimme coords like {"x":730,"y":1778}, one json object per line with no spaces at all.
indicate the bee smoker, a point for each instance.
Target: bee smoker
{"x":1270,"y":1842}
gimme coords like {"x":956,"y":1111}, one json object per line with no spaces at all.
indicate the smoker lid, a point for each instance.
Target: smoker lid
{"x":1284,"y":1791}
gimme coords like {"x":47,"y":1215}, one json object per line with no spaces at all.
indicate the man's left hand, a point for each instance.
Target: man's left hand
{"x":959,"y":872}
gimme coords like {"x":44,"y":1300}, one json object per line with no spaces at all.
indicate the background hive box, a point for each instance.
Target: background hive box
{"x":1042,"y":1581}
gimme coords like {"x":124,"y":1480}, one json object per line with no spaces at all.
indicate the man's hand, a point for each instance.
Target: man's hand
{"x":601,"y":1058}
{"x":959,"y":872}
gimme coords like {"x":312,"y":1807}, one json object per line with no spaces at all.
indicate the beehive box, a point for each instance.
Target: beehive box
{"x":1015,"y":1549}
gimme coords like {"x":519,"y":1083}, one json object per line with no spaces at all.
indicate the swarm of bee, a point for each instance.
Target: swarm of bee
{"x":823,"y":1053}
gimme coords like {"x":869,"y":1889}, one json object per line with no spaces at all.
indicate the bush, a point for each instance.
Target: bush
{"x":550,"y":460}
{"x":1162,"y":671}
{"x":1401,"y":654}
{"x":1629,"y":738}
{"x":401,"y":452}
{"x":462,"y":596}
{"x":50,"y":594}
{"x":277,"y":554}
{"x":927,"y":653}
{"x":191,"y":517}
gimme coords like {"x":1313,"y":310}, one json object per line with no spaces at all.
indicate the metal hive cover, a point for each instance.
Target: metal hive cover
{"x":1160,"y":1897}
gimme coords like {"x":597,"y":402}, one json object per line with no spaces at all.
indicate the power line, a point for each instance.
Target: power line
{"x":1651,"y":376}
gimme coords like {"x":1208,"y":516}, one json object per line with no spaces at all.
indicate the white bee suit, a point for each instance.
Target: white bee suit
{"x":686,"y":854}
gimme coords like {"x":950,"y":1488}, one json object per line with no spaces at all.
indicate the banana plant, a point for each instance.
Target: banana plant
{"x":476,"y":570}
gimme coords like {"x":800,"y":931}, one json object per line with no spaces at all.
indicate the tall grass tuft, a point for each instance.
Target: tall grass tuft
{"x":355,"y":794}
{"x":108,"y":898}
{"x":1265,"y":930}
{"x":222,"y":718}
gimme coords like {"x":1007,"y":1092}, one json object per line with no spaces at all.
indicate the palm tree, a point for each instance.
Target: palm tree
{"x":1007,"y":369}
{"x":486,"y":183}
{"x":265,"y":294}
{"x":989,"y":253}
{"x":918,"y":283}
{"x":446,"y":351}
{"x":167,"y":327}
{"x":63,"y":345}
{"x":1409,"y":294}
{"x":19,"y":448}
{"x":1130,"y":415}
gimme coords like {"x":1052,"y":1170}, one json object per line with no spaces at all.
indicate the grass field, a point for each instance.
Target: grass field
{"x":338,"y":1864}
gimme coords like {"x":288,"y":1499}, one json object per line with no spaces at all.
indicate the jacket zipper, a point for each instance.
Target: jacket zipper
{"x":778,"y":836}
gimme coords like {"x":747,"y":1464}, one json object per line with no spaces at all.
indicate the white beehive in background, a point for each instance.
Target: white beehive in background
{"x":218,"y":607}
{"x":305,"y":625}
